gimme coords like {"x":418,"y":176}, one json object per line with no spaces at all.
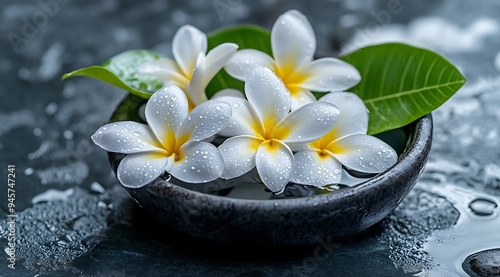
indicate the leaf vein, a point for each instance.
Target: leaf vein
{"x":402,"y":93}
{"x":429,"y":73}
{"x":384,"y":72}
{"x":405,"y":72}
{"x":417,"y":72}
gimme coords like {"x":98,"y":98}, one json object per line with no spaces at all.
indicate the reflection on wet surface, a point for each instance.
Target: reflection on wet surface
{"x":74,"y":219}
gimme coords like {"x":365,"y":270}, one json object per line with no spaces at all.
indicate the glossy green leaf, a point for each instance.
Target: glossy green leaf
{"x":247,"y":37}
{"x":121,"y":71}
{"x":401,"y":83}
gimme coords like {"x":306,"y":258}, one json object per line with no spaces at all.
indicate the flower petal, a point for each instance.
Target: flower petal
{"x":307,"y":124}
{"x":302,"y":97}
{"x":199,"y":162}
{"x":195,"y":87}
{"x":313,"y":169}
{"x":239,"y":155}
{"x":165,"y":69}
{"x":353,"y":117}
{"x":268,"y":96}
{"x":363,"y":153}
{"x":206,"y":68}
{"x":244,"y":120}
{"x":165,"y":111}
{"x":292,"y":40}
{"x":274,"y":162}
{"x":330,"y":74}
{"x":229,"y":92}
{"x":126,"y":137}
{"x":216,"y":59}
{"x":246,"y":60}
{"x":205,"y":120}
{"x":187,"y":44}
{"x":138,"y":170}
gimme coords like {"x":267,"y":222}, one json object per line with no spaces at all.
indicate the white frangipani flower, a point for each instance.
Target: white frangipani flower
{"x":345,"y":144}
{"x":172,"y":140}
{"x":191,"y":70}
{"x":263,"y":132}
{"x":293,"y":46}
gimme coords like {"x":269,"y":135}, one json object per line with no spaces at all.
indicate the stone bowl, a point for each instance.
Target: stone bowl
{"x":286,"y":221}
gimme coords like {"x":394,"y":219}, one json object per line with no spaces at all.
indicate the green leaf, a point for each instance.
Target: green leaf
{"x":128,"y":109}
{"x":401,"y":83}
{"x":121,"y":71}
{"x":247,"y":37}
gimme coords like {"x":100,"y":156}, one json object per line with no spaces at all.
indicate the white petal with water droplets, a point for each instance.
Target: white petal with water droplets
{"x":165,"y":111}
{"x":239,"y":155}
{"x":307,"y":124}
{"x":137,"y":170}
{"x":330,"y":74}
{"x":301,"y":98}
{"x":312,"y":169}
{"x":292,"y":40}
{"x":205,"y":120}
{"x":353,"y":117}
{"x":229,"y":92}
{"x":363,"y":153}
{"x":196,"y":87}
{"x":199,"y":162}
{"x":216,"y":59}
{"x":274,"y":162}
{"x":165,"y":69}
{"x":187,"y":44}
{"x":246,"y":60}
{"x":126,"y":137}
{"x":243,"y":120}
{"x":268,"y":95}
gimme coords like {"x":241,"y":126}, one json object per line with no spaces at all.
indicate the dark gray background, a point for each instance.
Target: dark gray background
{"x":74,"y":219}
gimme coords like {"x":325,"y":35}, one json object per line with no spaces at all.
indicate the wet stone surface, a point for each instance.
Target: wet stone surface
{"x":52,"y":234}
{"x":74,"y":220}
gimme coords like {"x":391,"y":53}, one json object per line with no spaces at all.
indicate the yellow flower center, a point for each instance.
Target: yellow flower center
{"x":172,"y":145}
{"x":323,"y":154}
{"x":291,"y":77}
{"x":327,"y":144}
{"x":336,"y":149}
{"x":271,"y":144}
{"x":268,"y":129}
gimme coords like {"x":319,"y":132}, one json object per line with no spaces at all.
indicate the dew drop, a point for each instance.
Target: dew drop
{"x":28,"y":171}
{"x":482,"y":206}
{"x":165,"y":176}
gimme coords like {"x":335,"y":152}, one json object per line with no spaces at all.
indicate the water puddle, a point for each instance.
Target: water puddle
{"x":477,"y":229}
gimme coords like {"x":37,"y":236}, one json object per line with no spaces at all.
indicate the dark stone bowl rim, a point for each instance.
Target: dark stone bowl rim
{"x":419,"y":140}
